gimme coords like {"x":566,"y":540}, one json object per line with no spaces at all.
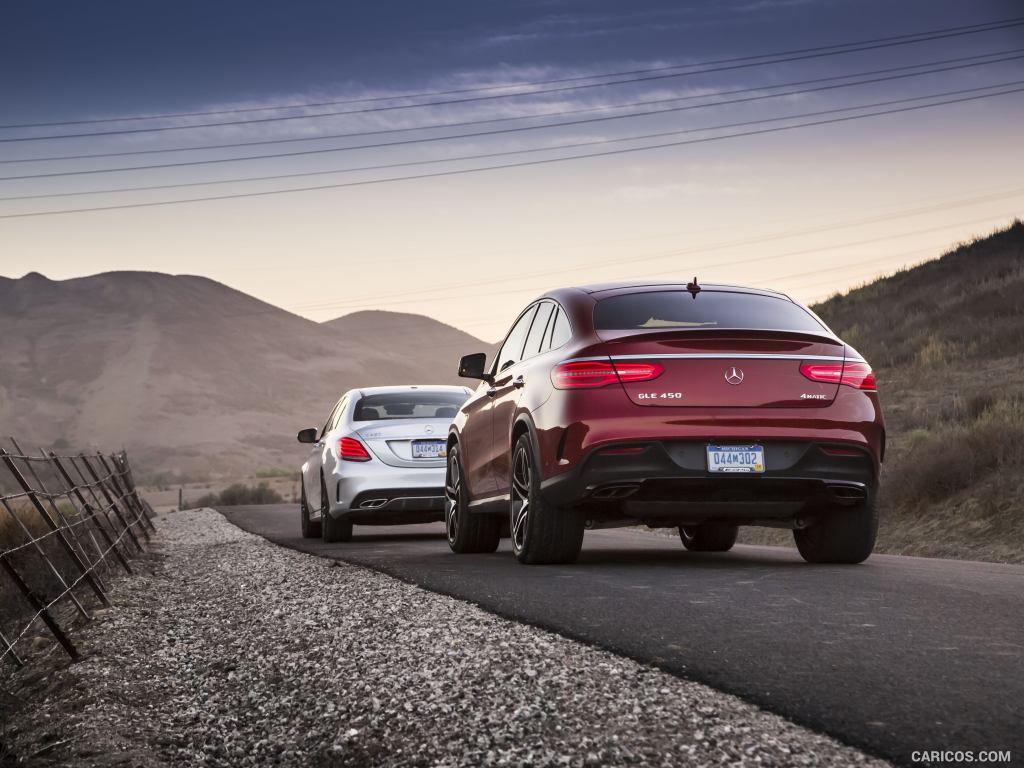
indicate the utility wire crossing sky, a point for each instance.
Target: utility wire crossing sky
{"x":704,"y":129}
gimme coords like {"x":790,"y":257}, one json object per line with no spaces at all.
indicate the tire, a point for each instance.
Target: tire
{"x":333,"y":530}
{"x":708,"y":537}
{"x":310,"y":529}
{"x":467,"y":533}
{"x":840,"y":534}
{"x":540,"y":532}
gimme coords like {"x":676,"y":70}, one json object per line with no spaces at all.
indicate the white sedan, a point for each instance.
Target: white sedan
{"x":379,"y":459}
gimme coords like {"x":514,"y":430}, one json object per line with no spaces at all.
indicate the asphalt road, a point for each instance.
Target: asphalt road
{"x":895,"y":655}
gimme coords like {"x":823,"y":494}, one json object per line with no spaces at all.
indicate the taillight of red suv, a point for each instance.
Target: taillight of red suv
{"x":854,"y":373}
{"x":589,"y":374}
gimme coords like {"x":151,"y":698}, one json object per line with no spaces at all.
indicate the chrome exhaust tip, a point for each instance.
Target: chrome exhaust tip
{"x":614,"y":492}
{"x":848,"y":492}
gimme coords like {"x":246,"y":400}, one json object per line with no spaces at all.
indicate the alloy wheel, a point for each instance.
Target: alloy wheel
{"x":522,"y":479}
{"x":452,"y":494}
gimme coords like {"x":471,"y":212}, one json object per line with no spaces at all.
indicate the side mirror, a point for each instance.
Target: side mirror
{"x":472,"y":367}
{"x":307,"y":435}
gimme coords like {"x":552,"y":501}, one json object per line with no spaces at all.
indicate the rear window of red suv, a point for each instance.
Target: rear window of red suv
{"x":652,"y":310}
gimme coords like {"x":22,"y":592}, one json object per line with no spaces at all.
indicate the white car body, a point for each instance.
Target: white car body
{"x":392,"y":486}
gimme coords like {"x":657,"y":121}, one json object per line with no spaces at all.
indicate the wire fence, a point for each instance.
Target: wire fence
{"x":67,"y":523}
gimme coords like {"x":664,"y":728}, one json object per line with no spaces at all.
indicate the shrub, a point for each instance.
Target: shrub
{"x":240,"y":495}
{"x":939,"y":464}
{"x":275,"y":472}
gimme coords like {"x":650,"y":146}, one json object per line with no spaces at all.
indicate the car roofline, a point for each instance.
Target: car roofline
{"x":398,"y":388}
{"x":639,"y":285}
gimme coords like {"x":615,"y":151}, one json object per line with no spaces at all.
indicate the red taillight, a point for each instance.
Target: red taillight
{"x":580,"y":374}
{"x":856,"y":374}
{"x":638,"y":371}
{"x":829,"y":373}
{"x":351,"y":449}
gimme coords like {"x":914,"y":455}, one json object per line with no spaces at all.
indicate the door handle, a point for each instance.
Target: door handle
{"x":519,"y":382}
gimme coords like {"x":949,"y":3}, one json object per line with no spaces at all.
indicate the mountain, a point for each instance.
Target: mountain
{"x":190,"y":375}
{"x":432,"y":340}
{"x":946,"y":340}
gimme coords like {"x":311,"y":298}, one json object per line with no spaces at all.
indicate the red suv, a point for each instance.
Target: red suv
{"x":697,"y":407}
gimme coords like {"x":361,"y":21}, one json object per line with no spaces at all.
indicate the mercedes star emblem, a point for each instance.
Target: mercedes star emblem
{"x":734,"y":375}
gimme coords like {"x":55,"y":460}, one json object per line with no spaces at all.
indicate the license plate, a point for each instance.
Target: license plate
{"x":735,"y":458}
{"x":429,"y":449}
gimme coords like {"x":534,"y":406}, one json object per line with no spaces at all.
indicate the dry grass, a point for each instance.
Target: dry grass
{"x":241,"y":495}
{"x":964,"y":306}
{"x":164,"y":498}
{"x":14,"y":608}
{"x":947,"y":342}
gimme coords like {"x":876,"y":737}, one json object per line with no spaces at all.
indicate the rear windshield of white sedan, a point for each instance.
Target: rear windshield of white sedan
{"x":654,"y":310}
{"x":410,"y":405}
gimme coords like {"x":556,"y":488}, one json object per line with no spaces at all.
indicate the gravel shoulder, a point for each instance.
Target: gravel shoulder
{"x":230,"y":651}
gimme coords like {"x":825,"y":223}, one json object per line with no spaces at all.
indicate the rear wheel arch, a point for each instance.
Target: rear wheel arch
{"x":524,"y":425}
{"x":521,"y":427}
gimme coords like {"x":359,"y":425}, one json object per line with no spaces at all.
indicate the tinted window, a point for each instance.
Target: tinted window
{"x":410,"y":405}
{"x":538,"y":331}
{"x":561,"y":332}
{"x":330,"y":419}
{"x":512,"y":350}
{"x":339,"y":412}
{"x":708,"y":309}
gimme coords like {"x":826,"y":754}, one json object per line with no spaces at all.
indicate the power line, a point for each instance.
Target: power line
{"x":720,"y":246}
{"x":965,"y":29}
{"x":699,"y":267}
{"x":481,"y":134}
{"x":684,"y":252}
{"x":558,"y":113}
{"x":559,"y":89}
{"x":507,"y":153}
{"x":522,"y":164}
{"x":878,"y":212}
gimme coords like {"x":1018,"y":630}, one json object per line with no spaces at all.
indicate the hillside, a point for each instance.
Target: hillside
{"x":190,"y":375}
{"x":431,"y":340}
{"x":946,"y":339}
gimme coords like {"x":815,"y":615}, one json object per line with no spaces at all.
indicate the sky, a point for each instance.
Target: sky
{"x":709,"y":167}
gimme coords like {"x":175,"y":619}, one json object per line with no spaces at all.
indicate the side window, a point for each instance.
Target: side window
{"x":539,"y":330}
{"x":339,"y":412}
{"x":560,"y":332}
{"x":511,"y":351}
{"x":330,"y":420}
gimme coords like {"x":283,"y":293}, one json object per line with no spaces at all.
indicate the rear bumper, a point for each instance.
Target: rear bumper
{"x":386,"y":495}
{"x":396,"y":506}
{"x":668,"y":481}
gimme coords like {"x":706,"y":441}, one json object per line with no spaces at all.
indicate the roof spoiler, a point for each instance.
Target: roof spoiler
{"x":654,"y":333}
